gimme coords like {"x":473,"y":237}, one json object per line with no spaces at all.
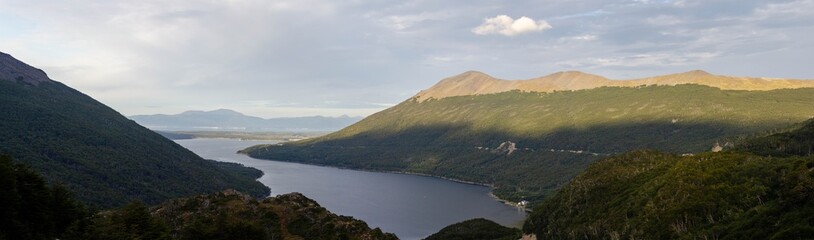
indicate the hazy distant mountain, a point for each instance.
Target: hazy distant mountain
{"x":476,"y":83}
{"x":228,"y":120}
{"x":103,"y":157}
{"x":527,"y":139}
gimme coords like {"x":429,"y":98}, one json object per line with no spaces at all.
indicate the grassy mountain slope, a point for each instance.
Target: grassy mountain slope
{"x":106,"y":159}
{"x":556,"y":135}
{"x":739,"y":194}
{"x":477,"y":83}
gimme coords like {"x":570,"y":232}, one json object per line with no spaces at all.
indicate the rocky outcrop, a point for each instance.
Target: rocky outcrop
{"x":507,"y":147}
{"x":12,"y":69}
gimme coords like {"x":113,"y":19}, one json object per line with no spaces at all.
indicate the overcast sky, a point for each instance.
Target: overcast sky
{"x":332,"y":57}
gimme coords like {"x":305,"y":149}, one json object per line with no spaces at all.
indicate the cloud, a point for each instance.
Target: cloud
{"x":507,"y":26}
{"x":586,"y":37}
{"x":794,"y":8}
{"x":402,"y":22}
{"x":664,"y":20}
{"x":641,"y":60}
{"x":170,"y":56}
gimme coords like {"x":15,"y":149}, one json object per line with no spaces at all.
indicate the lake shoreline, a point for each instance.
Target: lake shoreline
{"x":490,"y":186}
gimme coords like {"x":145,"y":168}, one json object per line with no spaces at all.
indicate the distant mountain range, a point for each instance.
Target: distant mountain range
{"x":528,"y":138}
{"x":101,"y":156}
{"x":229,"y":120}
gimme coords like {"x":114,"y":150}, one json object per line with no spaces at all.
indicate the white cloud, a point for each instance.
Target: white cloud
{"x":664,"y":20}
{"x":794,"y":8}
{"x":640,"y":60}
{"x":156,"y":56}
{"x":586,"y":37}
{"x":402,"y":22}
{"x":507,"y":26}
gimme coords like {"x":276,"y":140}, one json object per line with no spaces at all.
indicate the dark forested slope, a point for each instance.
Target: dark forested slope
{"x":746,"y":193}
{"x":106,"y":159}
{"x":32,"y":209}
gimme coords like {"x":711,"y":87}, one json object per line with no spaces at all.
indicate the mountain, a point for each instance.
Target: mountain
{"x":228,"y":120}
{"x":105,"y":158}
{"x":740,"y":194}
{"x":477,"y":83}
{"x":529,"y":144}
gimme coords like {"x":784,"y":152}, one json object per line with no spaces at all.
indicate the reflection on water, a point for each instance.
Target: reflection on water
{"x":410,"y":206}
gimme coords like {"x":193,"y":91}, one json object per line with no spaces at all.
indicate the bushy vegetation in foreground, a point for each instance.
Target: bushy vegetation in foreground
{"x":745,"y":193}
{"x":476,"y":229}
{"x":32,"y":209}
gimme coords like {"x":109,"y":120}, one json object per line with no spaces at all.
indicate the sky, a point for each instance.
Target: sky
{"x":354,"y":57}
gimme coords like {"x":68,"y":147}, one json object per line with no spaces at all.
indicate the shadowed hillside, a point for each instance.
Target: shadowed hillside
{"x":106,"y":159}
{"x":529,"y":144}
{"x":740,"y":194}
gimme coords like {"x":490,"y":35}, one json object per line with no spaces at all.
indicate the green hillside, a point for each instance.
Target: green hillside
{"x":798,"y":140}
{"x":556,"y":135}
{"x":738,"y":194}
{"x":32,"y":209}
{"x":106,"y":159}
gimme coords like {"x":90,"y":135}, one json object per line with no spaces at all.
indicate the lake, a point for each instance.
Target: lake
{"x":410,"y":206}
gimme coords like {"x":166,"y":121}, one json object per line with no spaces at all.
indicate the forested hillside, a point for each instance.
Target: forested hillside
{"x":746,"y":193}
{"x":32,"y":209}
{"x":94,"y":151}
{"x":528,"y":144}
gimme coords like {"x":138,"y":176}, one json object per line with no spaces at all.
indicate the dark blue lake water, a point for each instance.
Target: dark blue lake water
{"x":410,"y":206}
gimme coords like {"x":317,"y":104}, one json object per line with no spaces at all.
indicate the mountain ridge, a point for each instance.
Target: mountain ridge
{"x":227,"y":119}
{"x":105,"y":158}
{"x":13,"y":70}
{"x":478,"y":83}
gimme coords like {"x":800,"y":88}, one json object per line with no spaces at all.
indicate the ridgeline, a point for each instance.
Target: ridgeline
{"x":529,"y":144}
{"x":104,"y":158}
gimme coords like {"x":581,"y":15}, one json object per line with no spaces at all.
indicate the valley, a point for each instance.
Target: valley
{"x":386,"y":120}
{"x":412,"y":207}
{"x":555,"y":135}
